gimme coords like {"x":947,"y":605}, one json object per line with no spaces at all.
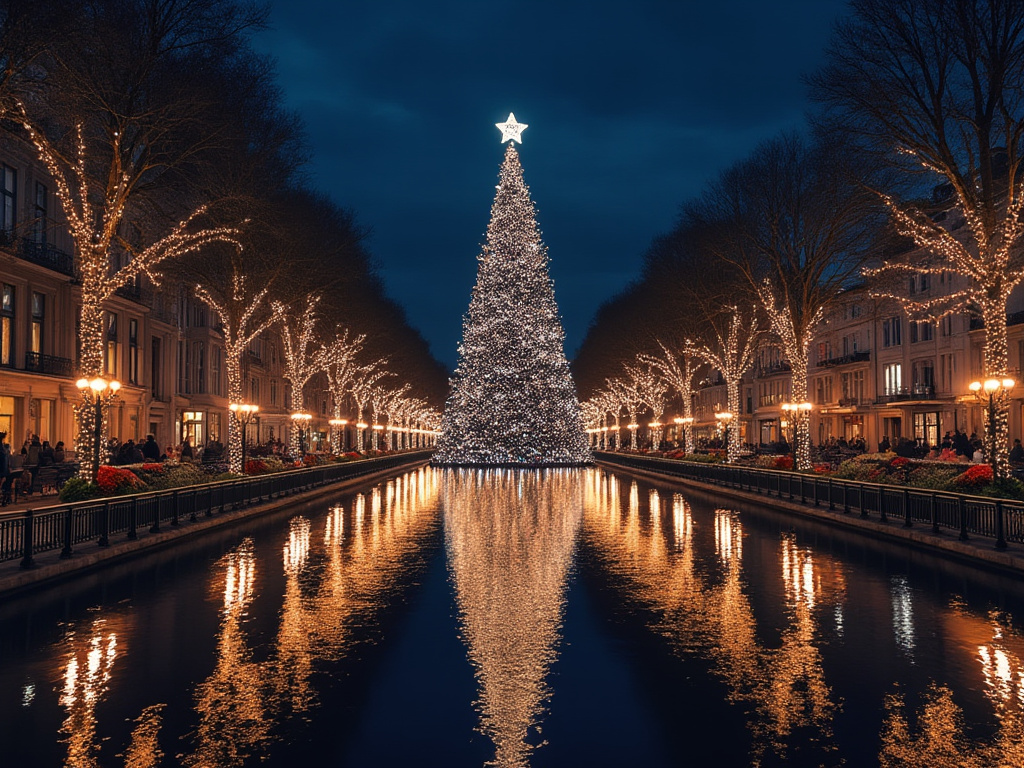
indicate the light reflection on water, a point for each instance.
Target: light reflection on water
{"x":510,"y":536}
{"x":786,"y":628}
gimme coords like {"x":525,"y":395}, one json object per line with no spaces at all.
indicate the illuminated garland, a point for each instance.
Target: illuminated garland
{"x":363,"y":382}
{"x":512,"y":399}
{"x":677,"y":370}
{"x":732,"y":356}
{"x":991,"y":268}
{"x":796,"y":345}
{"x":301,"y":363}
{"x":236,"y":311}
{"x":382,"y":401}
{"x":627,"y":397}
{"x":95,"y":228}
{"x":340,"y":366}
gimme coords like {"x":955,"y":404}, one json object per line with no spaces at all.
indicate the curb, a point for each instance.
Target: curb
{"x":975,"y":551}
{"x":50,"y":568}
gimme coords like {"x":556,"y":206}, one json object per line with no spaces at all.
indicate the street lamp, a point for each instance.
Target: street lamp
{"x":992,"y":389}
{"x":244,"y":413}
{"x":301,"y":421}
{"x":97,"y":393}
{"x":336,"y":425}
{"x":724,"y":417}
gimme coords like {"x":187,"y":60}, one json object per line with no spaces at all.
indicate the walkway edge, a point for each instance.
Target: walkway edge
{"x":51,"y":569}
{"x":978,"y":552}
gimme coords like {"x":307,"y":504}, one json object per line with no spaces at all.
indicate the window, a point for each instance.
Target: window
{"x":850,"y":344}
{"x":823,"y":390}
{"x":8,"y":214}
{"x":946,"y":325}
{"x":853,"y":387}
{"x":254,"y":391}
{"x":947,"y":371}
{"x":924,"y":377}
{"x":926,"y":427}
{"x":215,"y":369}
{"x":113,"y":349}
{"x":154,"y":370}
{"x":893,"y":374}
{"x":39,"y":214}
{"x":273,"y":391}
{"x":35,"y":341}
{"x":133,"y":351}
{"x":921,"y":330}
{"x":197,"y":383}
{"x":892,"y":332}
{"x":7,"y":326}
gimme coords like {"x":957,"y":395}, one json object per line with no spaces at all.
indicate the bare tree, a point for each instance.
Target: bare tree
{"x":302,"y":360}
{"x":792,"y":221}
{"x":732,"y":355}
{"x":936,"y":90}
{"x":677,"y":370}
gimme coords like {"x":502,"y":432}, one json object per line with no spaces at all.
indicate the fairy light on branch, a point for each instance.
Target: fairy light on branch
{"x":301,"y":360}
{"x":363,"y":383}
{"x":732,"y":356}
{"x":241,"y":324}
{"x":339,"y":358}
{"x":677,"y":369}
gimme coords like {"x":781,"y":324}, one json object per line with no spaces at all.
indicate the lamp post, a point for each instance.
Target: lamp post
{"x":724,"y":417}
{"x":97,"y":393}
{"x":686,"y":422}
{"x":301,"y":421}
{"x":336,"y":427}
{"x":245,"y":413}
{"x":798,"y":413}
{"x":989,"y":392}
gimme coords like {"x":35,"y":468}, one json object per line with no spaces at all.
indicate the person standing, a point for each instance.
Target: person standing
{"x":5,"y":471}
{"x":150,"y":449}
{"x":186,"y":450}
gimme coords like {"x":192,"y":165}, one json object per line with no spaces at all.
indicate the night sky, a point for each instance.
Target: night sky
{"x":632,"y":108}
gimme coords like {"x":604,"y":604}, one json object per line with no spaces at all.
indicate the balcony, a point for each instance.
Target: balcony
{"x":856,"y":357}
{"x":916,"y":392}
{"x":49,"y":364}
{"x":45,"y":255}
{"x":131,"y":292}
{"x":780,"y":366}
{"x":850,"y":402}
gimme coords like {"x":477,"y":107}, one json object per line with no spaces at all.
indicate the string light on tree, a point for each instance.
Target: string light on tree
{"x":242,"y":319}
{"x":732,"y":356}
{"x":301,"y":361}
{"x":512,"y":400}
{"x":677,"y":369}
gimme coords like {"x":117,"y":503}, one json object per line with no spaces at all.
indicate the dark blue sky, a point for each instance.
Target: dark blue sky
{"x":632,"y":107}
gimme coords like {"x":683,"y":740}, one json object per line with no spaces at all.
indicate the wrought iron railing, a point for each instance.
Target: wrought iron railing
{"x":49,"y":364}
{"x":28,"y":533}
{"x":853,"y":357}
{"x":1000,"y":519}
{"x":46,"y":255}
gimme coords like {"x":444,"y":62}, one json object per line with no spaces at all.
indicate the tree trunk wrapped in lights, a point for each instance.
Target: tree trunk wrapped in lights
{"x":512,"y":400}
{"x":239,"y":313}
{"x":677,"y":370}
{"x":340,"y":359}
{"x":732,"y":356}
{"x":932,"y":90}
{"x":363,"y":383}
{"x":95,"y":220}
{"x":301,"y":362}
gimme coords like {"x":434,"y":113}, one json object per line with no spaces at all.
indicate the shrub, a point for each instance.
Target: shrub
{"x":935,"y":478}
{"x":117,"y":480}
{"x":78,"y":489}
{"x":178,"y":475}
{"x":256,"y":467}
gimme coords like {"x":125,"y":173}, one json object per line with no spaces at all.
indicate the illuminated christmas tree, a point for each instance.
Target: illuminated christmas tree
{"x":513,"y":400}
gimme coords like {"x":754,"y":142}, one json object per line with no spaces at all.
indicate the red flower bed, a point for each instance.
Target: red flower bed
{"x":153,"y":467}
{"x":822,"y":469}
{"x":784,"y":462}
{"x":255,"y":467}
{"x":975,"y":477}
{"x":116,"y":480}
{"x":899,"y":461}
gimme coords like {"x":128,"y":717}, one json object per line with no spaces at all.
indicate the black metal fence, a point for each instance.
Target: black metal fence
{"x":27,"y":533}
{"x":1001,"y":519}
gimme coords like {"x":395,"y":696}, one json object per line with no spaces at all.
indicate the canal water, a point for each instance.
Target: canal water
{"x":518,"y":618}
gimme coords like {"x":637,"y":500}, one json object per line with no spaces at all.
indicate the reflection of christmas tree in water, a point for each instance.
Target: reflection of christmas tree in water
{"x":510,"y":536}
{"x":513,"y":400}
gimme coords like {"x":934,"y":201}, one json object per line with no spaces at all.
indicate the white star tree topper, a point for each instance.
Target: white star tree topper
{"x":511,"y":129}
